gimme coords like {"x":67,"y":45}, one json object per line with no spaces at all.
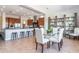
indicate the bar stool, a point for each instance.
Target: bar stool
{"x":27,"y":32}
{"x":31,"y":33}
{"x":14,"y":35}
{"x":22,"y":34}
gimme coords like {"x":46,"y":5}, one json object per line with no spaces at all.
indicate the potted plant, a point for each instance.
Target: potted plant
{"x":49,"y":30}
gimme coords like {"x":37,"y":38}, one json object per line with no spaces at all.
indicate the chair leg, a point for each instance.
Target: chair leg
{"x":36,"y":45}
{"x":48,"y":44}
{"x":74,"y":38}
{"x":69,"y":36}
{"x":77,"y":37}
{"x":34,"y":32}
{"x":52,"y":43}
{"x":59,"y":46}
{"x":42,"y":47}
{"x":61,"y":43}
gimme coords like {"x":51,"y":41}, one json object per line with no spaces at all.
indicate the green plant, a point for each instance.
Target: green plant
{"x":49,"y":30}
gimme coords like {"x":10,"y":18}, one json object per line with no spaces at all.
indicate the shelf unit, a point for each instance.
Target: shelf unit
{"x":68,"y":23}
{"x":60,"y":22}
{"x":52,"y":22}
{"x":56,"y":22}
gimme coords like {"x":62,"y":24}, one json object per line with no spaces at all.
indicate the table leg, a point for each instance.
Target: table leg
{"x":69,"y":36}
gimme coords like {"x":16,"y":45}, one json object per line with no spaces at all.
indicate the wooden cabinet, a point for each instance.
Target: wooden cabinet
{"x":11,"y":21}
{"x":17,"y":20}
{"x":37,"y":23}
{"x":29,"y":21}
{"x":41,"y":22}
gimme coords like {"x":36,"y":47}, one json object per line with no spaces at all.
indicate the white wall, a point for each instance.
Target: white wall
{"x":3,"y":20}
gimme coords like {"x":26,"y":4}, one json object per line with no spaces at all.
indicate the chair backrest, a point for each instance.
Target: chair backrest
{"x":76,"y":30}
{"x":38,"y":34}
{"x":55,"y":30}
{"x":42,"y":30}
{"x":60,"y":34}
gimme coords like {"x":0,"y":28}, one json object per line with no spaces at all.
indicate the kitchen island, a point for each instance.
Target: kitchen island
{"x":8,"y":32}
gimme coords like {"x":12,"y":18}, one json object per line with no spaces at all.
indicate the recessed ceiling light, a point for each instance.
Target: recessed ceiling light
{"x":41,"y":16}
{"x":17,"y":10}
{"x":13,"y":12}
{"x":21,"y":8}
{"x":46,"y":8}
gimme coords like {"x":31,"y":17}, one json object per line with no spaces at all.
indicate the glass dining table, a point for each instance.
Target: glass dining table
{"x":48,"y":35}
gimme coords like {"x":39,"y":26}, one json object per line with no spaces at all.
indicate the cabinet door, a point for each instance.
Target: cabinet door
{"x":29,"y":22}
{"x":41,"y":22}
{"x":17,"y":20}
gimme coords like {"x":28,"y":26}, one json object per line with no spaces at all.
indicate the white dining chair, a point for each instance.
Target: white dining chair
{"x":58,"y":39}
{"x":75,"y":34}
{"x":40,"y":38}
{"x":55,"y":31}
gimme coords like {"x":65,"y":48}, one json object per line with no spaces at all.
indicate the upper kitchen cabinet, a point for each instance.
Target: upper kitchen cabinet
{"x":41,"y":22}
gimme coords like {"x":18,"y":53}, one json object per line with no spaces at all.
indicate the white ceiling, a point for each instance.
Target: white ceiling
{"x":31,"y":10}
{"x":56,"y":9}
{"x":19,"y":10}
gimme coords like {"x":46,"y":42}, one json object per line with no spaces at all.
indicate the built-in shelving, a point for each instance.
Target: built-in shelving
{"x":68,"y":23}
